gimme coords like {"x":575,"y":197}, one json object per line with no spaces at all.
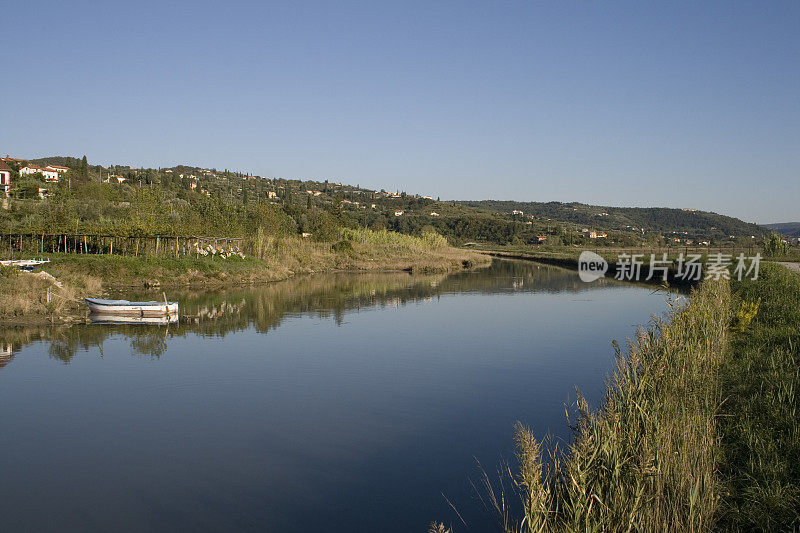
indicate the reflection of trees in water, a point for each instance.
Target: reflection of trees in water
{"x":265,"y":307}
{"x":150,"y":341}
{"x":505,"y":276}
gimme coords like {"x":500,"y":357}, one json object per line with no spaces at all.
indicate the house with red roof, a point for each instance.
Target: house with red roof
{"x":57,"y":168}
{"x":50,"y":176}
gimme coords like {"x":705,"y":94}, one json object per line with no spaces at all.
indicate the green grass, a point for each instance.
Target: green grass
{"x":760,"y":422}
{"x":121,"y":267}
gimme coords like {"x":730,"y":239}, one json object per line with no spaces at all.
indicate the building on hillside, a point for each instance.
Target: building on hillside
{"x":517,"y":212}
{"x":597,"y":235}
{"x":9,"y":159}
{"x":50,"y":176}
{"x":5,"y":177}
{"x":398,"y":213}
{"x":57,"y":168}
{"x":114,"y":178}
{"x":272,"y":195}
{"x":434,"y":214}
{"x":540,"y":239}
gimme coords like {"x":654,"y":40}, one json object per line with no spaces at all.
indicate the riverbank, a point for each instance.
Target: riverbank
{"x":36,"y":298}
{"x":759,"y":418}
{"x":698,"y":431}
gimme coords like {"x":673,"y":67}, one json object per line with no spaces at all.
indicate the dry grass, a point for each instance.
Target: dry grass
{"x":25,"y":296}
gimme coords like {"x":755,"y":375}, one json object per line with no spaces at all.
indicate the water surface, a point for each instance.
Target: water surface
{"x":341,"y":402}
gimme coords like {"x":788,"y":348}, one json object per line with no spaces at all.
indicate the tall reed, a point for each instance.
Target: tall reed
{"x":647,"y":460}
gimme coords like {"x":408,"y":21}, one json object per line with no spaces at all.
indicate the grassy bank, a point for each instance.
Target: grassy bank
{"x":24,"y":297}
{"x":699,"y":429}
{"x":760,"y":422}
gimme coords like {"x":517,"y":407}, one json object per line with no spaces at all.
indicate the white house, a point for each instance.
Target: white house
{"x":5,"y":177}
{"x":49,"y":175}
{"x":57,"y":168}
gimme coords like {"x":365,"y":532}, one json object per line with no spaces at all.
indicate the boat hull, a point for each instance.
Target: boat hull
{"x":102,"y":318}
{"x":131,"y":309}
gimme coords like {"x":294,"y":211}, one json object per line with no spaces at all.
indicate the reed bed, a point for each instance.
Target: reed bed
{"x":428,"y":240}
{"x":647,"y":461}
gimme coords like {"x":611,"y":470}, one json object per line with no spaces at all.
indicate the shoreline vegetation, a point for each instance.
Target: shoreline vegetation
{"x":56,"y":295}
{"x":698,"y":431}
{"x":568,"y":257}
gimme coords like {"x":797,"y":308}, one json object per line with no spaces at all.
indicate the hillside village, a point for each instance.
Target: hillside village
{"x":33,"y":187}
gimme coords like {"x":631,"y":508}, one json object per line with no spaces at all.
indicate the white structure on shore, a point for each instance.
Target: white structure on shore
{"x":5,"y":177}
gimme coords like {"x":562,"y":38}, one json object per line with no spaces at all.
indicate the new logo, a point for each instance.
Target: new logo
{"x":591,"y":266}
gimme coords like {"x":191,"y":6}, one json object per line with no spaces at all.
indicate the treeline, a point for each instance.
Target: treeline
{"x":790,"y":229}
{"x":698,"y":224}
{"x":105,"y":209}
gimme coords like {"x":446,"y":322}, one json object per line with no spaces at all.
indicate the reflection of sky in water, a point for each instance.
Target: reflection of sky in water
{"x":358,"y":422}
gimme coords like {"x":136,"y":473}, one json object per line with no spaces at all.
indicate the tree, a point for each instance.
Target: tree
{"x":774,"y":245}
{"x":84,"y":168}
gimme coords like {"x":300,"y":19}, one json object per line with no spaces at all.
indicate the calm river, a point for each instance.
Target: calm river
{"x":342,"y":402}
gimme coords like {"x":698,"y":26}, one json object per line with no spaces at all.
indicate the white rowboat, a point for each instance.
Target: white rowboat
{"x":126,"y":308}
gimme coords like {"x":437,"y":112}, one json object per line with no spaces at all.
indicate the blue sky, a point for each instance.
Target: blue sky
{"x":693,"y":104}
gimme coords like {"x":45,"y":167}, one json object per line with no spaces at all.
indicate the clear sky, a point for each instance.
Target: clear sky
{"x":680,"y":104}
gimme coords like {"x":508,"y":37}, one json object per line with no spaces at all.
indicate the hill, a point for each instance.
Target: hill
{"x":790,"y":229}
{"x":691,"y":223}
{"x":191,"y":200}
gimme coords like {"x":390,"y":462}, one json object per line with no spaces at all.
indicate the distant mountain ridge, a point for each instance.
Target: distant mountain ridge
{"x":665,"y":220}
{"x":790,"y":229}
